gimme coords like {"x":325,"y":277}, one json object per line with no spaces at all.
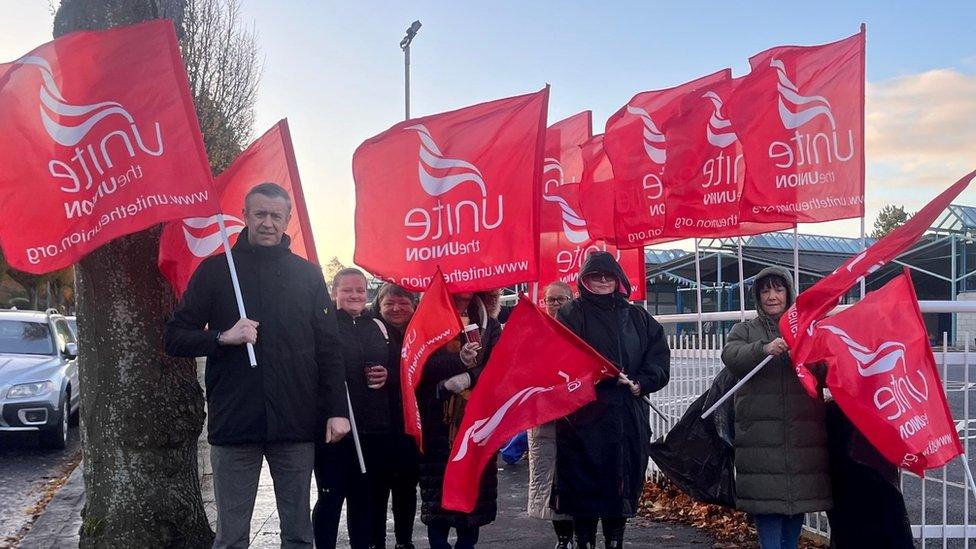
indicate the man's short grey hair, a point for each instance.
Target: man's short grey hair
{"x":271,"y":190}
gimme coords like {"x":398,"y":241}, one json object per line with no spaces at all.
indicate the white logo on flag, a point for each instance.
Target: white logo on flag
{"x":807,"y":108}
{"x":871,"y":362}
{"x":482,"y":429}
{"x":205,"y":246}
{"x":653,"y":138}
{"x":719,"y":130}
{"x":54,"y":101}
{"x":431,"y":158}
{"x":574,"y":226}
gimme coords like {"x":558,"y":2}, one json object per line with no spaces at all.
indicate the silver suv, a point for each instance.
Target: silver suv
{"x":38,"y":375}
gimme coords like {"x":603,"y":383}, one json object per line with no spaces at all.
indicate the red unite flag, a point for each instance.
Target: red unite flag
{"x":101,"y":140}
{"x":635,"y":143}
{"x":883,"y":376}
{"x":798,"y":323}
{"x":800,"y":117}
{"x":538,"y":372}
{"x":433,"y":325}
{"x":271,"y":158}
{"x":705,"y":169}
{"x":459,"y":190}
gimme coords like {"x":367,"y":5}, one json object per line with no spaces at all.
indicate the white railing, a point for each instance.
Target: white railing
{"x":938,"y":505}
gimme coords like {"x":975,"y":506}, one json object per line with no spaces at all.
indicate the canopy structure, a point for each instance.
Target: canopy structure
{"x":942,"y":263}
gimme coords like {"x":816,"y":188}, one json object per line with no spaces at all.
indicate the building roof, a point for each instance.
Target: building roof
{"x":956,"y":219}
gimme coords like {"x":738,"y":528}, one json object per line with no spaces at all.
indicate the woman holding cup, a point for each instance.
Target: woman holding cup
{"x":369,"y":358}
{"x":442,"y":395}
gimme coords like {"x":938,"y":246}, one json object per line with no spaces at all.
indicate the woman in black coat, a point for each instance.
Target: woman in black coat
{"x":371,"y":362}
{"x":445,"y":385}
{"x":601,"y":449}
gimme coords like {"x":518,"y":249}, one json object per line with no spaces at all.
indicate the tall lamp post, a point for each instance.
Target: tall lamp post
{"x":405,"y":46}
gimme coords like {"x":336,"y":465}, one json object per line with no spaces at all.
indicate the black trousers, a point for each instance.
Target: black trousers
{"x":393,"y":470}
{"x":338,"y":478}
{"x":437,"y":532}
{"x":585,"y":527}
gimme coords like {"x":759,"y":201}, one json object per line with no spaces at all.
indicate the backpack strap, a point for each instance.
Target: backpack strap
{"x":386,"y":334}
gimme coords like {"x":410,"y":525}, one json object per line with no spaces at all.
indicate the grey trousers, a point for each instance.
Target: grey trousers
{"x":236,"y":470}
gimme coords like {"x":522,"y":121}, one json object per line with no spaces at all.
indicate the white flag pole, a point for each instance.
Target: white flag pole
{"x":969,"y":473}
{"x":355,"y":433}
{"x":736,"y":387}
{"x":237,"y":285}
{"x":701,"y":336}
{"x":742,"y":286}
{"x":796,"y":259}
{"x":863,"y":247}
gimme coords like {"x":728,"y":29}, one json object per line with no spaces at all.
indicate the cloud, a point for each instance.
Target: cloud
{"x":922,"y":127}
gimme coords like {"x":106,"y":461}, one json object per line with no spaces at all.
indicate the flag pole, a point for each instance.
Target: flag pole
{"x":796,"y":259}
{"x":698,"y":292}
{"x":736,"y":387}
{"x":236,"y":283}
{"x":742,"y":286}
{"x":355,"y":433}
{"x":864,"y":31}
{"x":647,"y":398}
{"x":969,"y":473}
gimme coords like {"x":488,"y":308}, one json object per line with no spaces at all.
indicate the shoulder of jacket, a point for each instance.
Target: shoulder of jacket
{"x":382,"y":328}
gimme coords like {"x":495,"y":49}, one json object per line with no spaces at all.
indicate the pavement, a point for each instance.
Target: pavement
{"x":28,"y":473}
{"x":58,"y":525}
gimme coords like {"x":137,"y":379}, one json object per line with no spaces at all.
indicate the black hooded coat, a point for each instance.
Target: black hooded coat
{"x":602,"y":448}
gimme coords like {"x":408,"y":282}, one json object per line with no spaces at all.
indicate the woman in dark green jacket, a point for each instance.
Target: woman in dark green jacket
{"x":781,"y":469}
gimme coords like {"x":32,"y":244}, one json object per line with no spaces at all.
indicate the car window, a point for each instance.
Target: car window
{"x":65,"y":335}
{"x":73,"y":324}
{"x":25,"y":337}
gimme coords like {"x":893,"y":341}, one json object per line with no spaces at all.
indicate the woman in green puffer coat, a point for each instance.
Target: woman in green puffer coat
{"x":781,"y":469}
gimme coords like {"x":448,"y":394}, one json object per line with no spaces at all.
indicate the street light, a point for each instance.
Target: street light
{"x":405,"y":46}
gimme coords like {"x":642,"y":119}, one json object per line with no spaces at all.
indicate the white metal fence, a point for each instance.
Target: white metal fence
{"x":938,"y":505}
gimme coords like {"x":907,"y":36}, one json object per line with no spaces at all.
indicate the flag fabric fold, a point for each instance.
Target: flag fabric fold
{"x":883,"y":375}
{"x":107,"y":144}
{"x":459,"y":190}
{"x":539,"y":371}
{"x":800,"y":117}
{"x":798,"y":322}
{"x":433,"y":325}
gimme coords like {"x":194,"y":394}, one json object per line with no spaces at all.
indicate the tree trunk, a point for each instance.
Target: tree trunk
{"x":141,"y":410}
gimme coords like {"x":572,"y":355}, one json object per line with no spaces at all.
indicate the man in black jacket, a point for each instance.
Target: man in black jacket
{"x":293,"y":397}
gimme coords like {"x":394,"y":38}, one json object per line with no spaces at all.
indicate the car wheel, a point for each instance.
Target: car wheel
{"x":55,"y":437}
{"x":75,"y":418}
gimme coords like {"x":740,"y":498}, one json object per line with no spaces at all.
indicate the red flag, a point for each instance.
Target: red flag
{"x":597,"y":190}
{"x":102,"y":140}
{"x":800,"y":117}
{"x":433,"y":325}
{"x":185,"y":244}
{"x":538,"y":372}
{"x":563,"y":250}
{"x":636,"y":147}
{"x":458,"y":189}
{"x":797,"y":324}
{"x":705,"y":169}
{"x":883,"y":375}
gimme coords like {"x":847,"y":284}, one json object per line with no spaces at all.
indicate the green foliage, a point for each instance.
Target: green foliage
{"x":889,"y":218}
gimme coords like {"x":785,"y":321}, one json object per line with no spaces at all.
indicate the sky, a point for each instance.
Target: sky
{"x":335,"y":70}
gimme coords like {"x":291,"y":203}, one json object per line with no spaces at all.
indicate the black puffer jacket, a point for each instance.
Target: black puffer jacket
{"x":298,"y":381}
{"x":601,"y":449}
{"x":439,"y":419}
{"x":365,"y":340}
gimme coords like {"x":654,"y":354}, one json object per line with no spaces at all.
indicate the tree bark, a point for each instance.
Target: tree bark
{"x":141,"y":410}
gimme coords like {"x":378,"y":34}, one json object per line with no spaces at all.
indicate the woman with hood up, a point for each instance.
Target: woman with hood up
{"x":602,"y":448}
{"x":781,"y":460}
